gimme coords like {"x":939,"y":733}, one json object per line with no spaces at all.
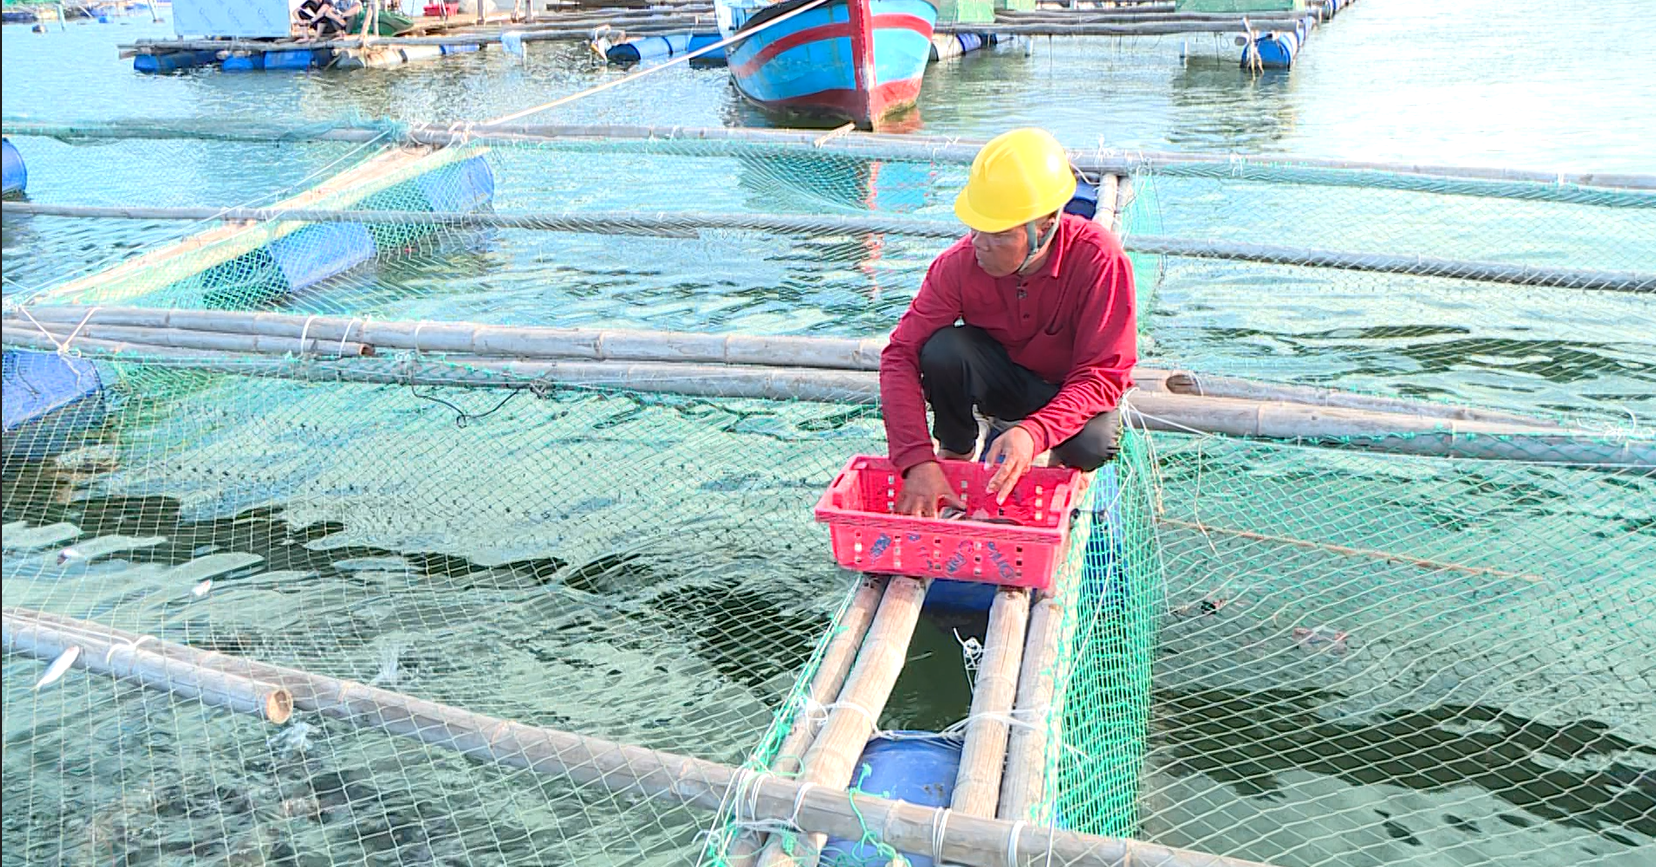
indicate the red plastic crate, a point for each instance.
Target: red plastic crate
{"x":867,"y":537}
{"x":435,"y":10}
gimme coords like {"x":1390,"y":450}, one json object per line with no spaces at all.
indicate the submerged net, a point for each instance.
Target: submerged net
{"x":1294,"y":654}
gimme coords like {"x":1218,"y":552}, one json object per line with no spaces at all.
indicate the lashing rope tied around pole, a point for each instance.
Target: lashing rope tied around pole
{"x":61,"y":347}
{"x":940,"y":822}
{"x":305,"y":331}
{"x":347,"y":334}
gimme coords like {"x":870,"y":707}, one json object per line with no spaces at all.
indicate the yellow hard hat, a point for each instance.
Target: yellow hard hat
{"x":1019,"y":176}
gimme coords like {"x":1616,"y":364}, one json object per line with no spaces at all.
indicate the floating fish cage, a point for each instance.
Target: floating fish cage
{"x":437,"y":504}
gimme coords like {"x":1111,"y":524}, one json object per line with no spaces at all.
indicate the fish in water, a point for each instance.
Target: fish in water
{"x":59,"y":666}
{"x":295,"y":738}
{"x":950,"y":513}
{"x":1311,"y":639}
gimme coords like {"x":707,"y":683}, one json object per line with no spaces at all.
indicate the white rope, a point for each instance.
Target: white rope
{"x":347,"y":334}
{"x":1012,"y":843}
{"x":305,"y":331}
{"x":738,"y":37}
{"x":63,"y":348}
{"x":851,"y":705}
{"x":56,"y":344}
{"x":799,"y":800}
{"x":940,"y":822}
{"x":971,"y":654}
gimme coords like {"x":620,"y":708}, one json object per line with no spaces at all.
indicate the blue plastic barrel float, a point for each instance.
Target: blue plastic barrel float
{"x":1103,"y":571}
{"x":14,"y":175}
{"x":245,"y":62}
{"x":1276,"y":50}
{"x":917,"y":767}
{"x":1085,"y":201}
{"x":298,"y":58}
{"x":320,"y":251}
{"x":172,"y":61}
{"x":660,"y":47}
{"x":50,"y":402}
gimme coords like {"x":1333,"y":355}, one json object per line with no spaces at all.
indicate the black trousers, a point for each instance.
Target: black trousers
{"x":962,"y":367}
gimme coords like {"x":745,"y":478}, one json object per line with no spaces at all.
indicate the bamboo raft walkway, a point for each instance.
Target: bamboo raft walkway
{"x":272,"y":692}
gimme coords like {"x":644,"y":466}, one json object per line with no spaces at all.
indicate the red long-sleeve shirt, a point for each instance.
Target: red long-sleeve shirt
{"x":1071,"y":323}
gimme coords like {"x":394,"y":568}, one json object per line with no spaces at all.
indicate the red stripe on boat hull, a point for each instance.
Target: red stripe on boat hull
{"x":864,"y":108}
{"x":830,"y":31}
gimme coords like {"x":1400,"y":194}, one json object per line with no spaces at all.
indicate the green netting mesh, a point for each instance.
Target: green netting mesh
{"x":1301,"y":655}
{"x":1107,"y":654}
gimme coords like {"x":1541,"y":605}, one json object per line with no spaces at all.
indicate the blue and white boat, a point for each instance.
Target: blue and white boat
{"x":843,"y":60}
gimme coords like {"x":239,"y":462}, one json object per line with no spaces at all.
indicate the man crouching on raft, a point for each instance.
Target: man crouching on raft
{"x":1028,"y":318}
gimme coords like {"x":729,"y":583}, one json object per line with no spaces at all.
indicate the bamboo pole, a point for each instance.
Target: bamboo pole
{"x":1027,"y":744}
{"x":1185,"y":382}
{"x":131,"y":661}
{"x":175,"y":338}
{"x":658,"y":346}
{"x":1150,"y":28}
{"x":468,"y":337}
{"x":671,"y":225}
{"x":1642,"y":282}
{"x":832,"y":757}
{"x":1105,"y":215}
{"x":1362,"y":429}
{"x":1540,"y":182}
{"x":1112,"y":16}
{"x":1124,"y":197}
{"x":627,"y":770}
{"x":983,"y":758}
{"x":684,"y":225}
{"x":825,"y":686}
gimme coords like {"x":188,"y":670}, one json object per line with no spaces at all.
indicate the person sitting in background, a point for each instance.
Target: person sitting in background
{"x":1029,"y":318}
{"x":320,"y":18}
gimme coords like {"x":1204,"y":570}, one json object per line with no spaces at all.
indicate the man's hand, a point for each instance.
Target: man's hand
{"x":1014,"y":450}
{"x":923,"y":486}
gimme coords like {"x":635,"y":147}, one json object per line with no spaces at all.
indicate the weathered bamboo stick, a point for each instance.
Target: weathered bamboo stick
{"x":825,"y":687}
{"x":1363,"y":429}
{"x":124,"y":660}
{"x":832,"y":757}
{"x":1540,"y":182}
{"x":983,"y":757}
{"x":1347,"y":551}
{"x":661,"y":224}
{"x":1111,"y":16}
{"x":684,"y":225}
{"x":834,"y":668}
{"x":471,"y":338}
{"x":177,"y":338}
{"x":627,"y":771}
{"x":1185,"y":382}
{"x":1124,"y":197}
{"x":1642,"y":282}
{"x":1149,"y":28}
{"x":1027,"y":744}
{"x":1105,"y":215}
{"x":656,"y":346}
